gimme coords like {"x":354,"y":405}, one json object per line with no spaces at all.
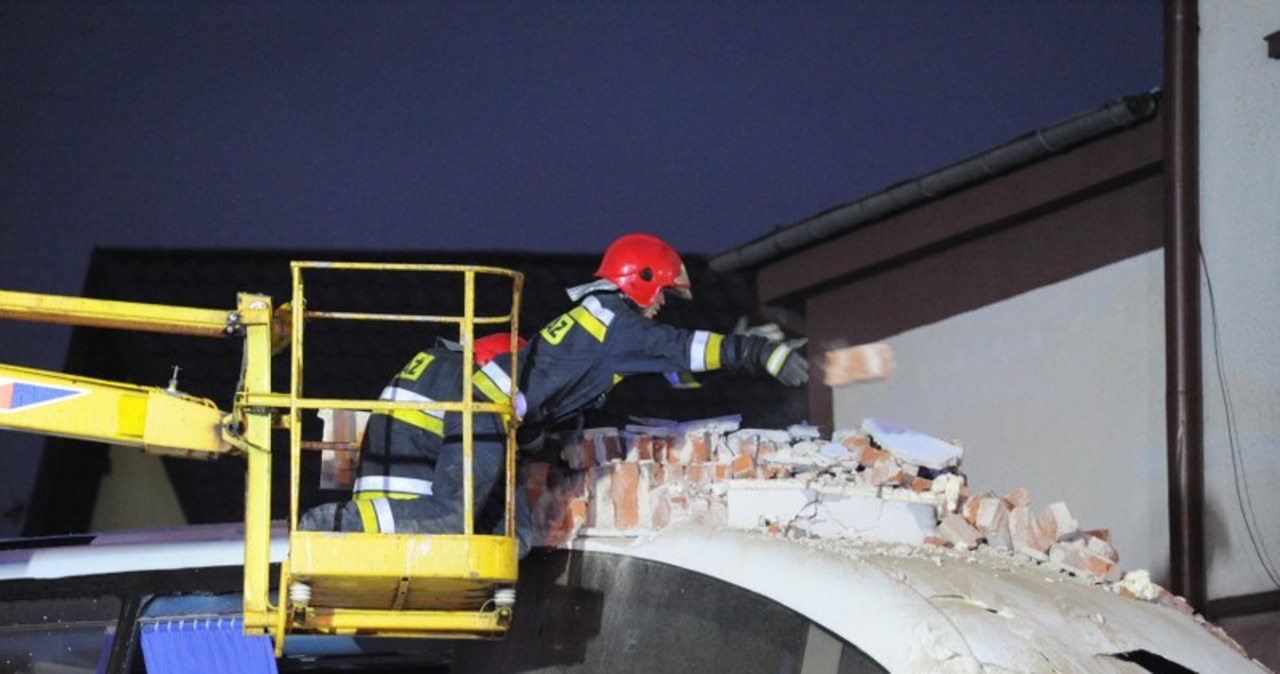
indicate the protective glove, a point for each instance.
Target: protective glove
{"x":531,"y":438}
{"x":784,"y":362}
{"x":770,"y":331}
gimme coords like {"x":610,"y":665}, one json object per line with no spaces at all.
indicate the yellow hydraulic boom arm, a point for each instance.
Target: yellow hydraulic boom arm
{"x":160,"y":421}
{"x":116,"y":314}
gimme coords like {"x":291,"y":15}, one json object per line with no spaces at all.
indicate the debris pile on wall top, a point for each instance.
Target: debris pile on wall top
{"x":882,"y":483}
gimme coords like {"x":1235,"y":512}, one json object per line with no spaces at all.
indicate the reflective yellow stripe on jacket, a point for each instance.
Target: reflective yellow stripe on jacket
{"x":704,"y":351}
{"x":431,"y":421}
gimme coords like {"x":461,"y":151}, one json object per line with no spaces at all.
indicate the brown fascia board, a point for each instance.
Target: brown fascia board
{"x":1005,"y":262}
{"x":1125,"y":155}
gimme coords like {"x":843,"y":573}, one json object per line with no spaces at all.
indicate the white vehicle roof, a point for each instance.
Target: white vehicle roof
{"x":918,"y":609}
{"x":911,"y":608}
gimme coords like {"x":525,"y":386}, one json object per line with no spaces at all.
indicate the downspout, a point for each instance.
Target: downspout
{"x":1183,"y":393}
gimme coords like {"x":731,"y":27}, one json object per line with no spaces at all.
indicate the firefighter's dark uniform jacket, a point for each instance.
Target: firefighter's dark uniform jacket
{"x":582,"y":354}
{"x":401,"y":449}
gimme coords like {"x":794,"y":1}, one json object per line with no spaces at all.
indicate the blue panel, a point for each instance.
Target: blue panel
{"x":198,"y":646}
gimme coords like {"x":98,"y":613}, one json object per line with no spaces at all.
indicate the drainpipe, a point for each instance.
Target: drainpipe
{"x":1183,"y":393}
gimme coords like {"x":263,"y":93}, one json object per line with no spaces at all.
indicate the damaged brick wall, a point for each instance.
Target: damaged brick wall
{"x":635,"y":480}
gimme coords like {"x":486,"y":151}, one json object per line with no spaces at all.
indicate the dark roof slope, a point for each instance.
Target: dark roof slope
{"x":349,"y":360}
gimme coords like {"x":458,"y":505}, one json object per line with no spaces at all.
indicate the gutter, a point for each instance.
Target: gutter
{"x":1119,"y":114}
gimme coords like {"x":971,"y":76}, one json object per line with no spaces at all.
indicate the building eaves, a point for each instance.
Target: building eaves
{"x":1026,"y":149}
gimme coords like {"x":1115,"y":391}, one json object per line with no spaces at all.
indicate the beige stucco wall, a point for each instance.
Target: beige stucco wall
{"x":1060,"y":390}
{"x":1240,"y":234}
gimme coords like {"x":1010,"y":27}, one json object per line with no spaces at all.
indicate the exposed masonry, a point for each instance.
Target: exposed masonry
{"x":880,"y":483}
{"x":882,"y":489}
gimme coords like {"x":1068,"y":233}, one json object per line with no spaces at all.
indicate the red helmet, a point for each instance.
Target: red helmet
{"x":643,"y":266}
{"x":490,"y":346}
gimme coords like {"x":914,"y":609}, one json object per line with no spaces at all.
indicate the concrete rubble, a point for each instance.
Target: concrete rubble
{"x":881,"y":483}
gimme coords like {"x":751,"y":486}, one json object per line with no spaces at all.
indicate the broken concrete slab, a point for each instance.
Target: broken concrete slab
{"x":827,"y":513}
{"x":911,"y":446}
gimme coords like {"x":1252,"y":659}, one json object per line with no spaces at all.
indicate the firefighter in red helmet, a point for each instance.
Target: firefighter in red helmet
{"x":410,"y":477}
{"x":643,"y":267}
{"x":610,"y":334}
{"x":488,"y":347}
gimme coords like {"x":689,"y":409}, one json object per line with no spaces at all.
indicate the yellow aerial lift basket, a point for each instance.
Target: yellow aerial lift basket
{"x":457,"y":585}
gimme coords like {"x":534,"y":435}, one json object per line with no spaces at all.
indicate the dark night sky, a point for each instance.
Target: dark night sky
{"x":506,"y":125}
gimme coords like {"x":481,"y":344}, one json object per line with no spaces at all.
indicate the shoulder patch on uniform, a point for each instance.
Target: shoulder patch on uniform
{"x":557,"y":329}
{"x":417,"y":366}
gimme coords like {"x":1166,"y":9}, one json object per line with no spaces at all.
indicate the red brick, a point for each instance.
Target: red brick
{"x":970,"y":507}
{"x":666,"y":451}
{"x":1076,"y":557}
{"x":1000,"y":538}
{"x":920,"y":484}
{"x":1104,"y":534}
{"x":650,"y":482}
{"x":577,"y":512}
{"x":842,"y":367}
{"x":601,"y":511}
{"x":992,"y":515}
{"x":1018,"y":497}
{"x":765,"y":448}
{"x":605,"y":444}
{"x":697,"y":447}
{"x":772,"y":473}
{"x":708,"y":510}
{"x":959,"y":532}
{"x":668,"y":507}
{"x":885,"y":470}
{"x":854,"y":443}
{"x":700,"y":473}
{"x":639,"y":447}
{"x":555,"y":518}
{"x":1025,"y":534}
{"x":869,"y":456}
{"x":624,"y":491}
{"x":550,"y":523}
{"x":535,"y":480}
{"x":742,"y":466}
{"x":543,"y":513}
{"x":579,"y":454}
{"x":574,"y":485}
{"x":1056,"y":522}
{"x":1101,"y":547}
{"x":738,"y":444}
